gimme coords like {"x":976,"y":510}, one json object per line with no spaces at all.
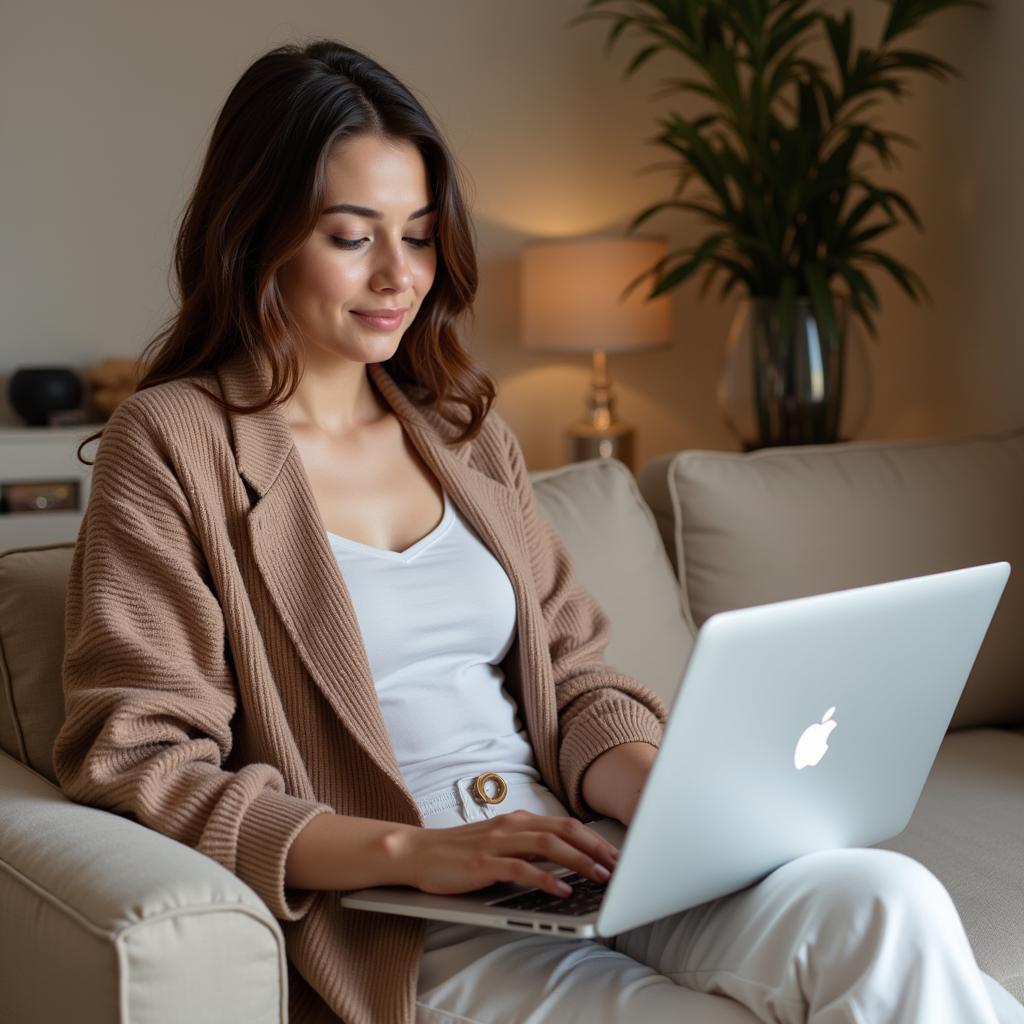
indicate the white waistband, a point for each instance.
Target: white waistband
{"x":452,"y":796}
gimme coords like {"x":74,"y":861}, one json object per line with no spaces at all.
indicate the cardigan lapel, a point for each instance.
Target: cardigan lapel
{"x":290,"y":546}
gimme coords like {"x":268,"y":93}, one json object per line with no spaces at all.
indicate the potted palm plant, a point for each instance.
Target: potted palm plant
{"x":792,"y":220}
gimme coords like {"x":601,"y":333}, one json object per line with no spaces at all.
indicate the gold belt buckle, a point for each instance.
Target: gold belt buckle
{"x":481,"y":793}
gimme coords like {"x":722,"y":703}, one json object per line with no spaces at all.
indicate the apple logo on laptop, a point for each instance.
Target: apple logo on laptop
{"x":813,"y":742}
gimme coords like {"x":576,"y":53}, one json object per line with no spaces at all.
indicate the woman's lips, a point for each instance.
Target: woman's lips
{"x":380,"y":323}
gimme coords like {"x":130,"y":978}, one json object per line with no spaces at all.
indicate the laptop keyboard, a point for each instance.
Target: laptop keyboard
{"x":585,"y":899}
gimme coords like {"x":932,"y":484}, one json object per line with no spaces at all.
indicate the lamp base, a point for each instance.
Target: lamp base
{"x":585,"y":441}
{"x":599,"y":435}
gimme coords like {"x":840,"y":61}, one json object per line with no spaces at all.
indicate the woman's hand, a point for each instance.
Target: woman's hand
{"x":463,"y":858}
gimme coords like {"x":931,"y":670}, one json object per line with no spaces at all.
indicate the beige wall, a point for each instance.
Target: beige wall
{"x":105,"y":107}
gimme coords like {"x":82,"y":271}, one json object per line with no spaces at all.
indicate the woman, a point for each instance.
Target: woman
{"x":313,"y":600}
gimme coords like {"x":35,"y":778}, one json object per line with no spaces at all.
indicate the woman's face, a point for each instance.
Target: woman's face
{"x":378,"y":258}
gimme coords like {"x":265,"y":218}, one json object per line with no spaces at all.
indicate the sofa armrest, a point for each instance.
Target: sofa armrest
{"x":104,"y":919}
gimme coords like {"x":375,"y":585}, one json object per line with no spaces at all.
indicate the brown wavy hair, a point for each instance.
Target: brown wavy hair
{"x":260,"y":194}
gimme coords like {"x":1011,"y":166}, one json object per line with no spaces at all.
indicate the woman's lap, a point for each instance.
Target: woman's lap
{"x":835,"y":930}
{"x":495,"y":976}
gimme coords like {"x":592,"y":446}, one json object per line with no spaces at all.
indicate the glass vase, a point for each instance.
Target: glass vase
{"x":801,"y":385}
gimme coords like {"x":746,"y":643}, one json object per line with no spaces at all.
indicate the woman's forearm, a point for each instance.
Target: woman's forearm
{"x":337,"y":851}
{"x":613,"y":782}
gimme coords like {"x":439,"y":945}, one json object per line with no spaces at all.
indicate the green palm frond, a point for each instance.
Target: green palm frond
{"x":772,"y":165}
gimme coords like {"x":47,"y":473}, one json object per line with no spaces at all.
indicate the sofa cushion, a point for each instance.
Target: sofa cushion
{"x":619,"y":558}
{"x":748,"y":529}
{"x":32,"y":582}
{"x":968,"y":830}
{"x":595,"y":507}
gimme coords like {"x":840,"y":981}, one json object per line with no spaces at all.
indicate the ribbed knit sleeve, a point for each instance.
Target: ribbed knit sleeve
{"x":148,"y":689}
{"x":598,"y":707}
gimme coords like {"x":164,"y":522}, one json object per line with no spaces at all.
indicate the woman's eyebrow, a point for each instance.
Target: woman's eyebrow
{"x":365,"y":211}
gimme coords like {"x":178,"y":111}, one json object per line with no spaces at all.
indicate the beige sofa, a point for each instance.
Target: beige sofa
{"x":105,"y":920}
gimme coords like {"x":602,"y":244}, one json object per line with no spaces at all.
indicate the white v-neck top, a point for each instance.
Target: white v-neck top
{"x":436,"y":620}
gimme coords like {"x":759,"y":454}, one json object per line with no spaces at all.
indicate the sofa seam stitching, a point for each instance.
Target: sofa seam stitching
{"x":115,"y":933}
{"x":907,"y":444}
{"x":54,"y":900}
{"x":678,"y":530}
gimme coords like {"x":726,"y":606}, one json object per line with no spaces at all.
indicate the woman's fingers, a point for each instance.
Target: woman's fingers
{"x":515,"y":869}
{"x":596,"y":845}
{"x":571,"y":830}
{"x":550,"y":847}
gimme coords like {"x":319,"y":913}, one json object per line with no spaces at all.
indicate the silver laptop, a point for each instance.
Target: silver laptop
{"x":802,"y":725}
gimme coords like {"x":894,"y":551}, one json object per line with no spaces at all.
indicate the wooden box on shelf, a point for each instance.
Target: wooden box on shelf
{"x":43,"y":486}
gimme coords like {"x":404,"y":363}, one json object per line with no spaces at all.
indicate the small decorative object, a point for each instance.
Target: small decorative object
{"x":480,"y":788}
{"x":112,"y":381}
{"x":572,"y":301}
{"x":68,"y":417}
{"x":39,"y":496}
{"x":36,"y":392}
{"x":789,"y":210}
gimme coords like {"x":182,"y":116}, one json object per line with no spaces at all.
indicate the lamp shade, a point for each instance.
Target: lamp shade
{"x":571,"y":295}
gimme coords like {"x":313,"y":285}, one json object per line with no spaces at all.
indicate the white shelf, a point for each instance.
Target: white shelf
{"x":24,"y":529}
{"x":44,"y":453}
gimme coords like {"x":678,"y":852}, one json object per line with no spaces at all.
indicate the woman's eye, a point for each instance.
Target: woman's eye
{"x":355,"y":243}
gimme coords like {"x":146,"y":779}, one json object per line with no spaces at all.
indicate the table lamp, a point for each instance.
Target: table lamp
{"x":571,"y":300}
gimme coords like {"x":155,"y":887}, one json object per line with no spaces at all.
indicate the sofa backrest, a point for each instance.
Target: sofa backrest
{"x":595,"y":506}
{"x":747,"y":529}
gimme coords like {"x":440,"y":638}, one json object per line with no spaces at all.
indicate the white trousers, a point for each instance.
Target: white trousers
{"x":850,"y":936}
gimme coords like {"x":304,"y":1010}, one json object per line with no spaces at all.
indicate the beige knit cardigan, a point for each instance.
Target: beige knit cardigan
{"x":216,"y":684}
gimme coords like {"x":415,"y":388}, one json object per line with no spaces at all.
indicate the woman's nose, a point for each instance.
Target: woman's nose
{"x":393,"y":269}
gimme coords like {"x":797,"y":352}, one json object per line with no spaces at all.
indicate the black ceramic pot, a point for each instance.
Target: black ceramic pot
{"x":35,"y":391}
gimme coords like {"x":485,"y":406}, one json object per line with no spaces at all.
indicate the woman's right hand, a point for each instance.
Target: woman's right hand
{"x":463,"y":858}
